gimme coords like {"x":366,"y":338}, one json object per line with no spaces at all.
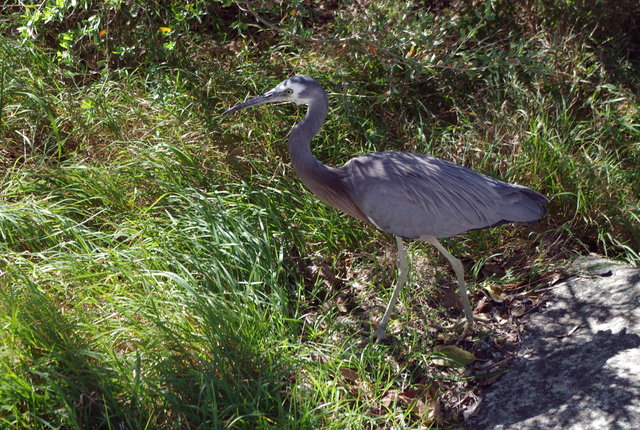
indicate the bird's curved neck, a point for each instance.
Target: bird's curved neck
{"x":327,"y":183}
{"x":301,"y":135}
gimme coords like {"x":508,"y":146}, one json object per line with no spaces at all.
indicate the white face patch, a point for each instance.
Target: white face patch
{"x":297,"y":90}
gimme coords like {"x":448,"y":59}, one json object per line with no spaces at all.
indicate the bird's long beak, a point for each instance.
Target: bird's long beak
{"x":268,"y":97}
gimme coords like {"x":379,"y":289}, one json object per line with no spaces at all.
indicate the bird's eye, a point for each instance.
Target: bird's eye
{"x":288,"y":91}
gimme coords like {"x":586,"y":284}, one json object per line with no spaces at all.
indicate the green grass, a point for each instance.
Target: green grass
{"x":162,"y":266}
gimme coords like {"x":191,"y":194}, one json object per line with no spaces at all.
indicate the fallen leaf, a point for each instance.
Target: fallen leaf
{"x":496,"y":293}
{"x":422,"y":401}
{"x":483,"y":305}
{"x":555,"y":277}
{"x":410,"y":394}
{"x":470,"y":410}
{"x":454,"y":356}
{"x":349,"y":374}
{"x":388,"y":398}
{"x":518,"y":309}
{"x":570,"y":332}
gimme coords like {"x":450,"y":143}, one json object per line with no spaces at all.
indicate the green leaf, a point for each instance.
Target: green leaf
{"x":454,"y":356}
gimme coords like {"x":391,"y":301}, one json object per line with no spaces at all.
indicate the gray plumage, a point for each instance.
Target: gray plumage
{"x":413,"y":195}
{"x":406,"y":194}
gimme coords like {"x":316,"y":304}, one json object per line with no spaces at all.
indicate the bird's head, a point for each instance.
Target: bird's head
{"x":299,"y":89}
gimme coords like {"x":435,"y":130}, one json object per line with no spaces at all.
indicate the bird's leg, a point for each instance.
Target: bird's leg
{"x":402,"y":279}
{"x":459,"y":270}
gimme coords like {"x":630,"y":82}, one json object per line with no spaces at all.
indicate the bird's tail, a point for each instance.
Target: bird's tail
{"x":528,"y":205}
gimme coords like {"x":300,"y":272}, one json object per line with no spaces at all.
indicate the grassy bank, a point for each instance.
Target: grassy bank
{"x":162,"y":266}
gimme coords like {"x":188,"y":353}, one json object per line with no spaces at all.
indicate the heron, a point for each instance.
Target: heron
{"x":409,"y":195}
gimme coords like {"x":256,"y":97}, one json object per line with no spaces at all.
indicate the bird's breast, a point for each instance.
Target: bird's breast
{"x":330,"y":187}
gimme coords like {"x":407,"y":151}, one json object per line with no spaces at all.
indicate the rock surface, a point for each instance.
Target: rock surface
{"x":578,"y":366}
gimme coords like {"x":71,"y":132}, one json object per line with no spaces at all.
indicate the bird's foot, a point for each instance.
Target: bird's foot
{"x":467,"y":325}
{"x":463,"y":334}
{"x":380,"y":335}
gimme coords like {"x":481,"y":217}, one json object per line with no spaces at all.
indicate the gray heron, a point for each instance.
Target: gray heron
{"x":409,"y":195}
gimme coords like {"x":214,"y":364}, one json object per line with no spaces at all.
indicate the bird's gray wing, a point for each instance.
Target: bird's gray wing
{"x":413,"y":195}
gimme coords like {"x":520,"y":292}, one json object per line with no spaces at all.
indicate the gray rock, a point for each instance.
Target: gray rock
{"x":578,"y":366}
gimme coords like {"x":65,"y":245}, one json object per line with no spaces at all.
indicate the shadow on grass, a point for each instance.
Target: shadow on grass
{"x":71,"y":383}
